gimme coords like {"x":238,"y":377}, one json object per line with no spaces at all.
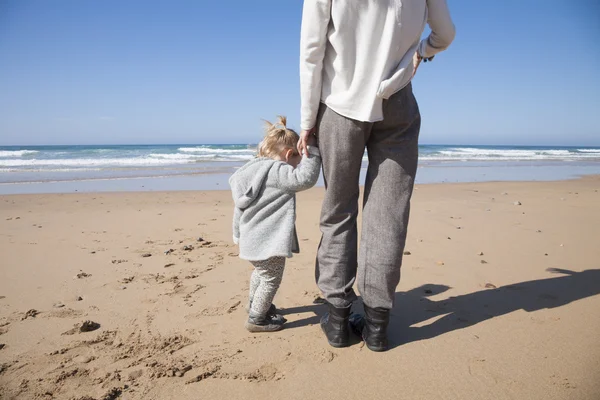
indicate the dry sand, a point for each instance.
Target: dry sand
{"x":497,"y":300}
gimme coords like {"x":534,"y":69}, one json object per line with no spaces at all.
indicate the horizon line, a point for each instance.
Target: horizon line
{"x":252,"y":144}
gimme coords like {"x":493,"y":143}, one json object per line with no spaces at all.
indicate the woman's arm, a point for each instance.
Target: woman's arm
{"x":313,"y":41}
{"x":442,"y":29}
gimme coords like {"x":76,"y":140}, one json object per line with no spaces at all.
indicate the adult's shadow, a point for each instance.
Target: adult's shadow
{"x":316,"y":309}
{"x":414,"y":306}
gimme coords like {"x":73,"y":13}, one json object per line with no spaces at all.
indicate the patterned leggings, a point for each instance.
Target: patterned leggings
{"x":264,"y":283}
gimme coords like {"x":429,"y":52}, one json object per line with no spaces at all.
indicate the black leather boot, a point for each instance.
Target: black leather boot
{"x":374,"y":331}
{"x":335,"y":326}
{"x":372,"y":327}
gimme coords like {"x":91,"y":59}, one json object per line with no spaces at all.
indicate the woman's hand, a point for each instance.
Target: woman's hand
{"x":416,"y":62}
{"x":306,"y":139}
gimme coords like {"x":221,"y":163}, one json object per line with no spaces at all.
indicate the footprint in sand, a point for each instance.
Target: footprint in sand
{"x":215,"y":311}
{"x":30,"y":314}
{"x":85,"y":326}
{"x":64,"y":313}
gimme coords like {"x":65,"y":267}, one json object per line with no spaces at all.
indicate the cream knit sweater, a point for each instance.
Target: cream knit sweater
{"x":355,"y":53}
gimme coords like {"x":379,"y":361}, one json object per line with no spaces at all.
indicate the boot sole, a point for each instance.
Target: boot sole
{"x":375,"y":349}
{"x":262,"y":328}
{"x":337,"y":345}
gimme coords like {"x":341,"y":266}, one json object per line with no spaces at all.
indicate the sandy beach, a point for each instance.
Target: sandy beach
{"x":499,"y":299}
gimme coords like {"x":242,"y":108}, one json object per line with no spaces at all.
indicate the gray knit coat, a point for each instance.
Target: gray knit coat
{"x":264,"y":194}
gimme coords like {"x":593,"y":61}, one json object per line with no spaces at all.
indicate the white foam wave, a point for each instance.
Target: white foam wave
{"x":468,"y":153}
{"x":101,"y":150}
{"x":488,"y":152}
{"x":16,"y":153}
{"x":92,"y":162}
{"x":11,"y":161}
{"x":174,"y":156}
{"x":454,"y":158}
{"x":152,"y":160}
{"x":29,"y":170}
{"x":215,"y":151}
{"x":208,"y":157}
{"x":556,"y":152}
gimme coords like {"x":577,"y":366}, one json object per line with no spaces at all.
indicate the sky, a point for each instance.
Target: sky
{"x":520,"y":72}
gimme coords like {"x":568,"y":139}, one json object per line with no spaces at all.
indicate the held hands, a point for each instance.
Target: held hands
{"x":307,"y":138}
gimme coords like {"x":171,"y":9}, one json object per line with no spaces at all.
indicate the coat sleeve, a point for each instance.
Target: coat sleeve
{"x":303,"y":177}
{"x":237,"y":215}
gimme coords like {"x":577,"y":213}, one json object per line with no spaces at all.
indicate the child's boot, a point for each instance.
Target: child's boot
{"x":266,"y":323}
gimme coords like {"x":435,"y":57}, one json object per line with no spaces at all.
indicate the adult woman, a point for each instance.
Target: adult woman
{"x":357,"y":60}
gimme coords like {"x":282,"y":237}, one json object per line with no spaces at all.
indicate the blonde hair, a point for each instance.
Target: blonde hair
{"x":277,"y":138}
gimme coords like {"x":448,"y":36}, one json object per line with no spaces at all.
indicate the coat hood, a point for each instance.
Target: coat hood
{"x":247,"y":181}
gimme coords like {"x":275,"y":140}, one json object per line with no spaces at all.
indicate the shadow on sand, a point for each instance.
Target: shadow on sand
{"x":414,"y":306}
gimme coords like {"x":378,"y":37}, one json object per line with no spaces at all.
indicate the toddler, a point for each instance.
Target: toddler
{"x":264,"y":194}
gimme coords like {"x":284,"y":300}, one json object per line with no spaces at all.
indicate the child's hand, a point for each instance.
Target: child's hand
{"x":311,"y":141}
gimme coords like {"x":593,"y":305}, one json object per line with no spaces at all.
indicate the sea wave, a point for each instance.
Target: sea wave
{"x":92,"y":162}
{"x":556,"y":152}
{"x":80,"y":159}
{"x":152,"y":160}
{"x":203,"y":149}
{"x":45,"y":170}
{"x":479,"y":154}
{"x":469,"y":152}
{"x":175,"y":156}
{"x":16,"y":153}
{"x":207,"y":157}
{"x":504,"y":152}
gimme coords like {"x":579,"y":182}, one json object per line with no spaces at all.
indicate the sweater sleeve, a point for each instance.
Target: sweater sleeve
{"x":313,"y":42}
{"x":442,"y":29}
{"x":303,"y":177}
{"x":237,"y":215}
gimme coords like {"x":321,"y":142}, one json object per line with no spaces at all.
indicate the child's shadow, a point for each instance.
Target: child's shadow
{"x":414,"y":306}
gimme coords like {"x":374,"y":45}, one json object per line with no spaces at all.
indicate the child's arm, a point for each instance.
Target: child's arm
{"x":303,"y":177}
{"x":237,"y":214}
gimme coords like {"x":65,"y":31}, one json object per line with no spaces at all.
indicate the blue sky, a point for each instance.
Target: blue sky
{"x":111,"y":71}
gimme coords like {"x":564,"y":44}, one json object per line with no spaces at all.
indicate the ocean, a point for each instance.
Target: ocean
{"x":33,"y":169}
